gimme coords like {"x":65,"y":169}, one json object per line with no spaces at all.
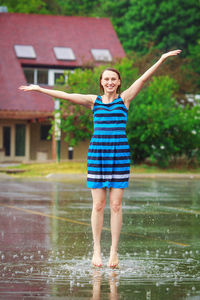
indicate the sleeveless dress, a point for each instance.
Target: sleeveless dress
{"x":109,"y":154}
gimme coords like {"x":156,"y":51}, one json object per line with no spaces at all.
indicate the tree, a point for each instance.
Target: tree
{"x":163,"y":24}
{"x":78,"y":7}
{"x":32,"y":6}
{"x":160,"y":129}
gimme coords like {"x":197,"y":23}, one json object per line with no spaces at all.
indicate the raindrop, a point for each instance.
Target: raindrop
{"x":157,"y":283}
{"x":167,"y":289}
{"x":193,"y":288}
{"x":188,"y":294}
{"x":39,"y":251}
{"x":71,"y":283}
{"x":2,"y":256}
{"x":42,"y":256}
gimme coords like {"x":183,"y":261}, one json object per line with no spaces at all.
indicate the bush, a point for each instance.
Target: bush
{"x":159,"y":128}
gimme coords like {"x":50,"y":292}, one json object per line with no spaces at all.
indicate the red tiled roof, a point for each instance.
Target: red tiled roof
{"x":43,"y":33}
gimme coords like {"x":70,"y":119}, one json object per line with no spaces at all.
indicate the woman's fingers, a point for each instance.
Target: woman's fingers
{"x":171,"y":53}
{"x":31,"y":87}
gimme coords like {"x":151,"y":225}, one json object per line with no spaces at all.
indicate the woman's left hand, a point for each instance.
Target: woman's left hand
{"x":171,"y":53}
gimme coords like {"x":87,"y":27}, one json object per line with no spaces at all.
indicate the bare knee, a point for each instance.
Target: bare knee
{"x":115,"y":206}
{"x":99,"y":206}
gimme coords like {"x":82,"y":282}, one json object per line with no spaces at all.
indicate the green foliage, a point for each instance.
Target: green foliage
{"x":194,"y":56}
{"x":78,"y":7}
{"x":164,"y":24}
{"x":24,"y":6}
{"x":161,"y":130}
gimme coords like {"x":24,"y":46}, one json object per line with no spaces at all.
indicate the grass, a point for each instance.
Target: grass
{"x":73,"y":167}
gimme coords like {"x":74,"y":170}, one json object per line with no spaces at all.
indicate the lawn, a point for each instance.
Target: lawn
{"x":69,"y":167}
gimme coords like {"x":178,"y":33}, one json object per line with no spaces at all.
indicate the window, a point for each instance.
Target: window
{"x":101,"y":54}
{"x":42,"y":76}
{"x":63,"y":53}
{"x":55,"y":75}
{"x":44,"y":132}
{"x":23,"y":51}
{"x":29,"y":74}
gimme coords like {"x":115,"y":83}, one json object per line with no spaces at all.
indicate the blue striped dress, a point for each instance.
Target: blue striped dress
{"x":109,"y":154}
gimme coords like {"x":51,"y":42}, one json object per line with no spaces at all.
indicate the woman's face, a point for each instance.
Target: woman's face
{"x":110,"y":81}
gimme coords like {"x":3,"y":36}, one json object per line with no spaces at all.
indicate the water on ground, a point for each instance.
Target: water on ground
{"x":46,"y":241}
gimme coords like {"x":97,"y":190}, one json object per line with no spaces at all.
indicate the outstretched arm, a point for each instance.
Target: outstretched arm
{"x":134,"y":89}
{"x":86,"y":100}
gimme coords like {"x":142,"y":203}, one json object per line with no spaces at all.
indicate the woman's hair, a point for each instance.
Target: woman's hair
{"x":101,"y":75}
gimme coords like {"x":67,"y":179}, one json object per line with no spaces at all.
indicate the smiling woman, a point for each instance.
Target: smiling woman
{"x":108,"y":155}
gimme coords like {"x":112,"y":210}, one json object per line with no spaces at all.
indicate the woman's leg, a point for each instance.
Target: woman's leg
{"x":115,"y":223}
{"x":99,"y":199}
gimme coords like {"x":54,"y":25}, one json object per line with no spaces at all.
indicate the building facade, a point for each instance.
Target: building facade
{"x":38,"y":49}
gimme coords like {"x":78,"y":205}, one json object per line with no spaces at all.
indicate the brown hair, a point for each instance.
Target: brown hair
{"x":101,"y":75}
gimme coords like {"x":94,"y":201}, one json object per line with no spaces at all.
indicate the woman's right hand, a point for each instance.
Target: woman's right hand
{"x":31,"y":87}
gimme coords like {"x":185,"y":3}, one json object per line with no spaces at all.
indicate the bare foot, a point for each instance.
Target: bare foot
{"x":113,"y":261}
{"x":96,"y":259}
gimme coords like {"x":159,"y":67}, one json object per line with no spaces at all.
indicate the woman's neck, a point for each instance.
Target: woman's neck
{"x":109,"y":97}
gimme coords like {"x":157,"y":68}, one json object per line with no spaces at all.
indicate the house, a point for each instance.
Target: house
{"x":38,"y":49}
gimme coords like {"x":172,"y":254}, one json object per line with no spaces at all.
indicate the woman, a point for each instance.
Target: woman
{"x":108,"y":155}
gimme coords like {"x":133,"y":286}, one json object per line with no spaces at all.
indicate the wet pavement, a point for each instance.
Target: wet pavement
{"x":46,"y":241}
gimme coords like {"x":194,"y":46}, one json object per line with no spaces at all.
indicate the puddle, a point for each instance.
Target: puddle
{"x":45,"y":253}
